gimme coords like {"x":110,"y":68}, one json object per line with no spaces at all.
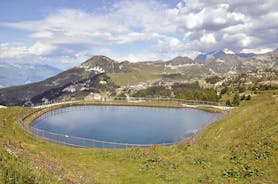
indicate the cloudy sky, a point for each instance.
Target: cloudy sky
{"x":64,"y":33}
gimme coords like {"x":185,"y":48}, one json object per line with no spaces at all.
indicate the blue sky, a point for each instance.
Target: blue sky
{"x":64,"y":33}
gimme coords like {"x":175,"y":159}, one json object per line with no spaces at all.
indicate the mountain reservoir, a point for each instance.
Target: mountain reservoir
{"x":120,"y":126}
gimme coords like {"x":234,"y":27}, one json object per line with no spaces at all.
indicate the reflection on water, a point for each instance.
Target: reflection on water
{"x":133,"y":125}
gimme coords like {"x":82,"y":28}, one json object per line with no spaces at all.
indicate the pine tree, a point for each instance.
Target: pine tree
{"x":236,"y":100}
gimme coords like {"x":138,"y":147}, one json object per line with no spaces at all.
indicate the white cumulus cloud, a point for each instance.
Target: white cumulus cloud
{"x":190,"y":27}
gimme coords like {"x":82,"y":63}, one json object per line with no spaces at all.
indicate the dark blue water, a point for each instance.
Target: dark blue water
{"x":133,"y":125}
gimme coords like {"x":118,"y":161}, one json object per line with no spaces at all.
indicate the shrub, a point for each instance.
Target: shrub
{"x":213,"y":79}
{"x":241,"y":89}
{"x":236,"y":100}
{"x":228,"y":103}
{"x":224,"y":90}
{"x":248,"y":97}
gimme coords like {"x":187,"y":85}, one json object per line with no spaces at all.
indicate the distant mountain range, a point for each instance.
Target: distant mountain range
{"x":210,"y":55}
{"x":218,"y":54}
{"x":102,"y":73}
{"x":17,"y":74}
{"x":245,"y":54}
{"x":29,"y":73}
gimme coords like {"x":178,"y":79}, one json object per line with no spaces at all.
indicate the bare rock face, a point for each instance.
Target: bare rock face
{"x":237,"y":64}
{"x":101,"y":64}
{"x":180,"y":61}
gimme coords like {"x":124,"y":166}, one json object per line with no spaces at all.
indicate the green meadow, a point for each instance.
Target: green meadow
{"x":241,"y":148}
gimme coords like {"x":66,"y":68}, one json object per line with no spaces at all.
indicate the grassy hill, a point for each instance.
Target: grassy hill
{"x":243,"y":148}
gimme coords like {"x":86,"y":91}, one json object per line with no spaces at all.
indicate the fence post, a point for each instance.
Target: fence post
{"x":63,"y":139}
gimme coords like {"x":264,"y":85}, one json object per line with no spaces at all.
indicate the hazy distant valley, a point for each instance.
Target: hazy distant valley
{"x":17,"y":74}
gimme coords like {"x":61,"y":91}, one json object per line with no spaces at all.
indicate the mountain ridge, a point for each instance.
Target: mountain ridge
{"x":85,"y":78}
{"x":20,"y":95}
{"x":180,"y":60}
{"x":210,"y":55}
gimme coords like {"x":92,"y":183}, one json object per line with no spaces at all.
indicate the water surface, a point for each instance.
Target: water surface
{"x":125,"y":124}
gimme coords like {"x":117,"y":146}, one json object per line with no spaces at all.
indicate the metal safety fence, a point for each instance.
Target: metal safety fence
{"x":43,"y":111}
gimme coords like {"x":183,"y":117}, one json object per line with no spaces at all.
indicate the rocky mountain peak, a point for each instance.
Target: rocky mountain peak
{"x":210,"y":55}
{"x":98,"y":60}
{"x":101,"y":64}
{"x":180,"y":61}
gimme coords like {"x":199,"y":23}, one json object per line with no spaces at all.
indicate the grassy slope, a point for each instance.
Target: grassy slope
{"x":130,"y":78}
{"x":239,"y":149}
{"x":137,"y":72}
{"x":142,"y":72}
